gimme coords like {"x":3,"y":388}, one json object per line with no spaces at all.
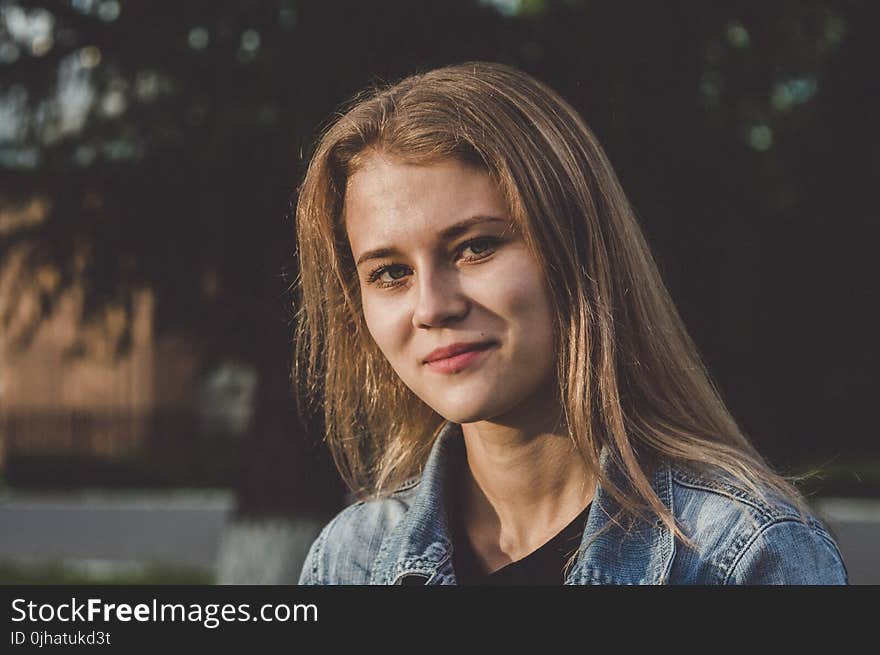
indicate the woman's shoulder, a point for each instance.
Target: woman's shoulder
{"x":742,"y":537}
{"x":346,"y":548}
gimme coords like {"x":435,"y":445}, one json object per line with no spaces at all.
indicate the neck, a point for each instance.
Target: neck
{"x":522,"y":484}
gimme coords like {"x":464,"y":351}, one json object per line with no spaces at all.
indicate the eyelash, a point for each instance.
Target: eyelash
{"x":374,"y":275}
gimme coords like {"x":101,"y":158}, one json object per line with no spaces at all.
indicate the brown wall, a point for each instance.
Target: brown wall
{"x":67,"y":390}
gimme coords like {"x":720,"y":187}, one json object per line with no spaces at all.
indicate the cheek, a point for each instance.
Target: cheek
{"x":386,"y":324}
{"x":527,"y":305}
{"x":523,"y":296}
{"x":375,"y":325}
{"x":523,"y":301}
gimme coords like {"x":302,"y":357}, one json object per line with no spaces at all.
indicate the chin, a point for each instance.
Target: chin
{"x":462,"y":418}
{"x":465,"y":410}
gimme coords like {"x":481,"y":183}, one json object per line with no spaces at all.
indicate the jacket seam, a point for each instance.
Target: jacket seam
{"x":765,"y":511}
{"x":835,"y":550}
{"x":407,"y":485}
{"x":759,"y":533}
{"x":376,"y":576}
{"x":314,"y":578}
{"x":322,"y":540}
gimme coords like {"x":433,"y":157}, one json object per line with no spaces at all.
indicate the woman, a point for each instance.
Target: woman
{"x":506,"y":385}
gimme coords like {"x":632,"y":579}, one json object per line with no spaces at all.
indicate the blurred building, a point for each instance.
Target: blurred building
{"x":105,"y":386}
{"x":69,"y":389}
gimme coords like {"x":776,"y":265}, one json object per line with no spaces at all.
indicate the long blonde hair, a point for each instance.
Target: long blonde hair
{"x":630,"y":378}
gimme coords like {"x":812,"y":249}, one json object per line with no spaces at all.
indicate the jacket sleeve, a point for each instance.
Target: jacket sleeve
{"x":788,"y":552}
{"x":311,"y":570}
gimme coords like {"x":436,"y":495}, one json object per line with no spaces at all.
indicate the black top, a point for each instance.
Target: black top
{"x":544,"y":566}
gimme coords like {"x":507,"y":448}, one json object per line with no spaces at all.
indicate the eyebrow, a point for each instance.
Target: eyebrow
{"x":445,"y":235}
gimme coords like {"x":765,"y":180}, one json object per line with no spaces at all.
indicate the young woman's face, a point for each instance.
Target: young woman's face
{"x":440,"y":263}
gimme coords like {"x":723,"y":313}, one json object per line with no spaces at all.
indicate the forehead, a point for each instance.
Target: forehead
{"x":387,"y":198}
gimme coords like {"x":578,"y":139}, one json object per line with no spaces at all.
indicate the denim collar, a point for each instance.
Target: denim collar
{"x":418,"y":549}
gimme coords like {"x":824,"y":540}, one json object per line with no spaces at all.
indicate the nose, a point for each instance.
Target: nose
{"x":440,"y":300}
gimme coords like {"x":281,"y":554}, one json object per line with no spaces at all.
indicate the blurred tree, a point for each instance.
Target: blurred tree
{"x":163,"y":144}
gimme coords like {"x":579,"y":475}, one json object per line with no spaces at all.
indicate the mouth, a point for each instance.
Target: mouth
{"x":458,"y":356}
{"x":456,"y":349}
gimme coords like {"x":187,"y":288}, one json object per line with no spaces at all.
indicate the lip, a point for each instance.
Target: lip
{"x":456,"y":363}
{"x":456,"y":349}
{"x":466,"y":355}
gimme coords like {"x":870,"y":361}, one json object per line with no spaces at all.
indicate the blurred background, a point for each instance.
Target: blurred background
{"x":149,"y":159}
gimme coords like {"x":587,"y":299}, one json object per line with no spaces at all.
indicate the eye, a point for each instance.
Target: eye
{"x":381,"y":270}
{"x":481,"y":248}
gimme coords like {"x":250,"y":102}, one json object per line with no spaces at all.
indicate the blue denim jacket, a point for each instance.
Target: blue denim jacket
{"x":404,"y":538}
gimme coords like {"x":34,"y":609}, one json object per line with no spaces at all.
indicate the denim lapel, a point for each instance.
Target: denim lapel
{"x":641,"y":555}
{"x":419,"y":546}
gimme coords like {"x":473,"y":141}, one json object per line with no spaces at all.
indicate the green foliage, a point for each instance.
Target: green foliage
{"x":59,"y":573}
